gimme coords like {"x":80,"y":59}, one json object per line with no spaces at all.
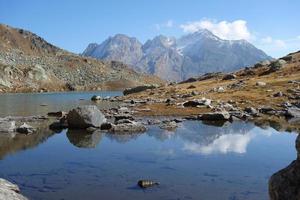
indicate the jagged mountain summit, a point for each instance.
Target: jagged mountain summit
{"x":178,"y":59}
{"x":28,"y":63}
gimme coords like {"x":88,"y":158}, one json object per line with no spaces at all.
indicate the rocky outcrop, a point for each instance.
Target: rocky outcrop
{"x":284,"y":184}
{"x":138,"y":89}
{"x":83,"y":117}
{"x":10,"y":191}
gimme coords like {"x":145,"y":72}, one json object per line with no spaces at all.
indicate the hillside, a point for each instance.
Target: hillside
{"x":178,"y":59}
{"x":267,"y":92}
{"x":28,"y":63}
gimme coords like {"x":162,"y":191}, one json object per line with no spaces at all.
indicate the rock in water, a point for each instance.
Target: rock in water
{"x":96,"y":98}
{"x":10,"y":191}
{"x":215,"y":116}
{"x":285,"y":183}
{"x":26,"y":129}
{"x":147,"y":183}
{"x":86,"y":116}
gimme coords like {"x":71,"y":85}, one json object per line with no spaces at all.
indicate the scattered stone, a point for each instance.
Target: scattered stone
{"x":251,"y":110}
{"x":147,"y":183}
{"x":215,"y":116}
{"x":198,"y":102}
{"x":127,"y":126}
{"x":96,"y":98}
{"x":278,"y":94}
{"x":169,"y":125}
{"x":25,"y":129}
{"x":10,"y":191}
{"x":86,"y":116}
{"x":261,"y":84}
{"x":219,"y":89}
{"x":229,"y":77}
{"x":138,"y":89}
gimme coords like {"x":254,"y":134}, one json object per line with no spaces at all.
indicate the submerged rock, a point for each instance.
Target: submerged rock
{"x":10,"y":191}
{"x":147,"y":183}
{"x":83,"y":117}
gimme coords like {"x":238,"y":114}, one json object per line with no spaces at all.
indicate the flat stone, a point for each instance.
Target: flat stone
{"x":10,"y":191}
{"x":215,"y":116}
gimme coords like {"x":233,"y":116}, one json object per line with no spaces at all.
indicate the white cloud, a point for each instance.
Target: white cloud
{"x":234,"y":30}
{"x":236,"y":143}
{"x":275,"y":43}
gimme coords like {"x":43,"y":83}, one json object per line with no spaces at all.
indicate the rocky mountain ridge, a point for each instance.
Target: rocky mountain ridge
{"x":178,"y":59}
{"x":28,"y":63}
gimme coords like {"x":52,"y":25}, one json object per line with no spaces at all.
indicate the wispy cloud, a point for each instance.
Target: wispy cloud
{"x":167,"y":24}
{"x":234,"y":30}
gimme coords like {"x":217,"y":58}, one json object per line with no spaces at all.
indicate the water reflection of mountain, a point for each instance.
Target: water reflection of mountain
{"x":84,"y":139}
{"x":12,"y":144}
{"x":206,"y":139}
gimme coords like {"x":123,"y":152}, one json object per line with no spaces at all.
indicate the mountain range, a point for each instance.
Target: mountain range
{"x":178,"y":59}
{"x":28,"y":63}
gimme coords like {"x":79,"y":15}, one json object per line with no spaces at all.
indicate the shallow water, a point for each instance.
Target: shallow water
{"x":197,"y":161}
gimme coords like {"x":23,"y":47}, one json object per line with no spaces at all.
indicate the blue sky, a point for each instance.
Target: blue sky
{"x":72,"y":24}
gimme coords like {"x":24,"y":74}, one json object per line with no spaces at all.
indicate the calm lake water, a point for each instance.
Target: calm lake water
{"x":197,"y":161}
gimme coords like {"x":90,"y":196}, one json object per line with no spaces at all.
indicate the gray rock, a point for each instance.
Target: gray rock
{"x":26,"y":129}
{"x":284,"y":184}
{"x":215,"y":116}
{"x":261,"y":84}
{"x":293,"y":112}
{"x":83,"y":117}
{"x":169,"y":125}
{"x":251,"y":111}
{"x":10,"y":191}
{"x":96,"y":98}
{"x":197,"y":102}
{"x":229,"y":77}
{"x":127,"y":126}
{"x":7,"y":126}
{"x":277,"y":65}
{"x":278,"y":94}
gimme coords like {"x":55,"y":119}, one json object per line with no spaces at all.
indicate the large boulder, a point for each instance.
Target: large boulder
{"x":86,"y":116}
{"x":277,"y":65}
{"x":293,"y":112}
{"x":138,"y":89}
{"x":10,"y":191}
